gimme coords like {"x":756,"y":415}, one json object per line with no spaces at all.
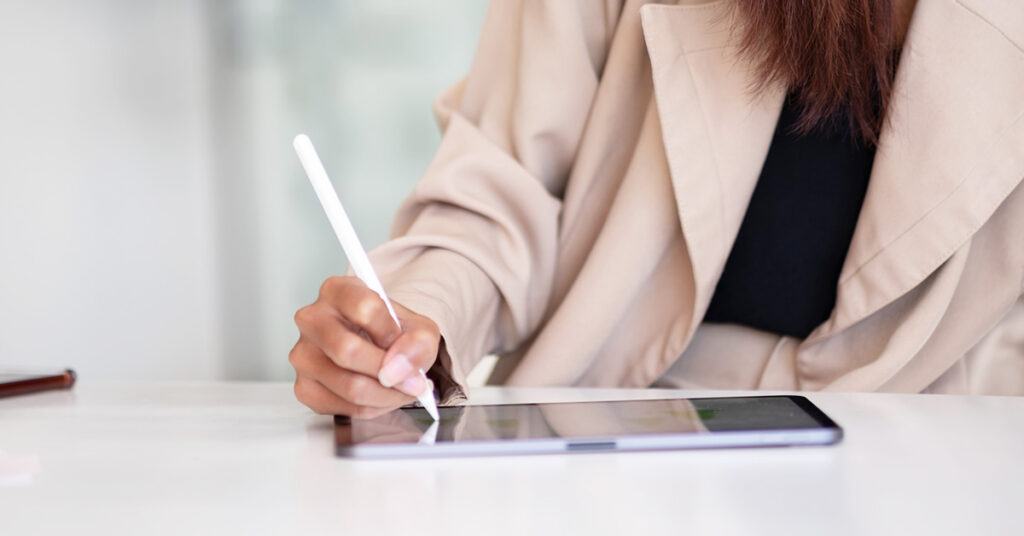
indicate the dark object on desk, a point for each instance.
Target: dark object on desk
{"x":678,"y":423}
{"x":17,"y":384}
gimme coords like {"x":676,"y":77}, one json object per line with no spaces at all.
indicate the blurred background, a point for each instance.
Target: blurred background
{"x":154,"y":221}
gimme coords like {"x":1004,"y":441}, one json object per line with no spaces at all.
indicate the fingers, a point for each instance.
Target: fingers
{"x":361,"y":307}
{"x":354,"y":388}
{"x":320,"y":325}
{"x":340,"y":359}
{"x":414,"y":350}
{"x":321,"y":400}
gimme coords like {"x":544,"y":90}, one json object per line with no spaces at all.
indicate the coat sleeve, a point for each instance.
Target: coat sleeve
{"x":474,"y":245}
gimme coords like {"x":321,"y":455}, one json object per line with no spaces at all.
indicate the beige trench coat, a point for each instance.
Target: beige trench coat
{"x":596,"y":165}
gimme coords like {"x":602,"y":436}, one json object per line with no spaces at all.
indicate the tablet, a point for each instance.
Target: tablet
{"x":635,"y":425}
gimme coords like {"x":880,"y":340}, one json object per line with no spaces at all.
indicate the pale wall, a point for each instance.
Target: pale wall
{"x":153,"y":221}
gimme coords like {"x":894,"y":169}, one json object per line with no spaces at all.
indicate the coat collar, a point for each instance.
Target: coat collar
{"x":952,"y":150}
{"x":715,"y":136}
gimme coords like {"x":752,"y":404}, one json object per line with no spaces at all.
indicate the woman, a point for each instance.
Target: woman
{"x":744,"y":194}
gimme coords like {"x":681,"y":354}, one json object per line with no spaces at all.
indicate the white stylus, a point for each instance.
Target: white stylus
{"x":350,"y":242}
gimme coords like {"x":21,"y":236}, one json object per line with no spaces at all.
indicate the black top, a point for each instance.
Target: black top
{"x":783,"y":269}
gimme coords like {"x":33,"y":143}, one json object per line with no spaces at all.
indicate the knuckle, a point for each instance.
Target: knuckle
{"x":330,"y":285}
{"x":347,"y":348}
{"x":295,"y":356}
{"x":309,"y":397}
{"x":357,"y":391}
{"x":302,"y":391}
{"x":306,"y":316}
{"x":350,"y":345}
{"x":366,"y":309}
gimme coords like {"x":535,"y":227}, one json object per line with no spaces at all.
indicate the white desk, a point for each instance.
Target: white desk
{"x":232,"y":458}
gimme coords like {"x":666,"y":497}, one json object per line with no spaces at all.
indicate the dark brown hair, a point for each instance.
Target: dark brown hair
{"x":837,"y":57}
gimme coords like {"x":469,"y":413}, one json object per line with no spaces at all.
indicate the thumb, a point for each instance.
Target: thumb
{"x":415,"y":350}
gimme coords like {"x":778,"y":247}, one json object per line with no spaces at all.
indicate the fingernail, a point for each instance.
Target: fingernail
{"x":395,"y":371}
{"x":413,"y":385}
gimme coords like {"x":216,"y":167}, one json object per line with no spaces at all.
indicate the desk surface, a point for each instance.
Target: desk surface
{"x":245,"y":458}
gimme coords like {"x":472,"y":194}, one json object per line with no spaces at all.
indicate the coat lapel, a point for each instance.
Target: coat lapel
{"x":952,"y":150}
{"x":715,"y":134}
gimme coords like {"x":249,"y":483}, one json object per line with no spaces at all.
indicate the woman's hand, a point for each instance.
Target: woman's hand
{"x":349,"y":349}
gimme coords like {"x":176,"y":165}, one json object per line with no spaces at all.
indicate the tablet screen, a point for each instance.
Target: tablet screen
{"x":585,"y":420}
